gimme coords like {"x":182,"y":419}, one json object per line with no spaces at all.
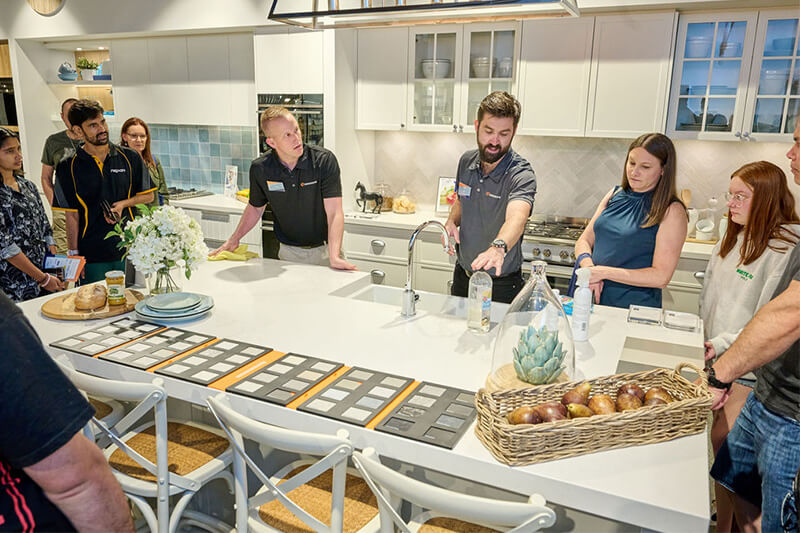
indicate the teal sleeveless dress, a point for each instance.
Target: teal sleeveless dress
{"x":620,"y":241}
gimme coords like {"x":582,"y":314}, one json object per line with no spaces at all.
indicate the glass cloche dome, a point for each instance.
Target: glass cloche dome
{"x":534,"y":343}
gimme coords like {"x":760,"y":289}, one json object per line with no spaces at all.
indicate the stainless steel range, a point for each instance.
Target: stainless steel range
{"x":552,"y":238}
{"x":184,"y":194}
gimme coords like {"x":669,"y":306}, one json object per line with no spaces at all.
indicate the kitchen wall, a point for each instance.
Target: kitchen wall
{"x":573,"y":173}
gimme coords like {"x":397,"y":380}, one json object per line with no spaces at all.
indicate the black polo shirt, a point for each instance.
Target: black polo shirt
{"x":296,"y":195}
{"x":81,"y":187}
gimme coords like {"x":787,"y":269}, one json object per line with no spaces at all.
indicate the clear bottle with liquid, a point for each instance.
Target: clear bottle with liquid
{"x":479,"y":302}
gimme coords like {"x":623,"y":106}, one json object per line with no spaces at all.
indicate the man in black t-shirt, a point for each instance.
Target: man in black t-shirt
{"x":304,"y":189}
{"x":52,"y":478}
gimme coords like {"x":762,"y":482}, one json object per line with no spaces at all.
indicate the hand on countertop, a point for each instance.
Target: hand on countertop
{"x":493,"y":257}
{"x":228,"y":246}
{"x":338,"y":263}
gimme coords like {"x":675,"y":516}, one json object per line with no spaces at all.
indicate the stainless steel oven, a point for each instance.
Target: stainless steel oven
{"x":308,"y":109}
{"x":552,"y":239}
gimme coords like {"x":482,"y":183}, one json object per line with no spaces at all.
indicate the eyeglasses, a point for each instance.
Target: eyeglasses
{"x":738,"y":197}
{"x":136,"y":136}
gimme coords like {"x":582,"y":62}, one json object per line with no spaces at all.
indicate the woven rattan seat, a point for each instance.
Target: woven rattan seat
{"x":441,"y":524}
{"x":188,"y":449}
{"x":101,"y":409}
{"x":360,"y":505}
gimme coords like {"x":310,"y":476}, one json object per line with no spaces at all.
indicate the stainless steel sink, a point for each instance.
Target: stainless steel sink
{"x":428,"y":303}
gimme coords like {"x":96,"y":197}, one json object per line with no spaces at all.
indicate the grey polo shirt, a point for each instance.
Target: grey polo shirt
{"x":483,"y":205}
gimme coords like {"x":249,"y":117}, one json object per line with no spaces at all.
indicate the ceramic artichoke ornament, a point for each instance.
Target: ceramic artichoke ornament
{"x":538,"y":356}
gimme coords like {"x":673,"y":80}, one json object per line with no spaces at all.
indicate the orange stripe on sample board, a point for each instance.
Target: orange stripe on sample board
{"x":294,"y":404}
{"x":98,"y":354}
{"x":182,"y":355}
{"x":250,"y":368}
{"x":394,"y":403}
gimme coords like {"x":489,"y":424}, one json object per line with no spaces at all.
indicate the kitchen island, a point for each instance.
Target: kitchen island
{"x":335,"y":315}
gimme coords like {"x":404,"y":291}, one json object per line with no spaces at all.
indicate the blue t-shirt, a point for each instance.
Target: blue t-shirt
{"x":621,"y":241}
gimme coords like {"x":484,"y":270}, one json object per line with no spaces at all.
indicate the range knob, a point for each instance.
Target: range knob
{"x":572,"y":256}
{"x":546,"y":252}
{"x":536,"y":251}
{"x":563,"y":254}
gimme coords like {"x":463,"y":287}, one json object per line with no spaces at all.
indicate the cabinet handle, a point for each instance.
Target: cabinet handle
{"x":738,"y":134}
{"x":746,"y":135}
{"x":402,"y":125}
{"x":378,"y":245}
{"x":215,"y":217}
{"x":455,"y":128}
{"x":700,"y":276}
{"x":377,"y":276}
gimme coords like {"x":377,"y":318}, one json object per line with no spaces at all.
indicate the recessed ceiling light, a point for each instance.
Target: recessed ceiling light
{"x":79,"y":49}
{"x":101,"y":47}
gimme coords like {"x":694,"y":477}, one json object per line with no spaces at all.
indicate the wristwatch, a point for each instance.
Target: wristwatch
{"x":714,"y":382}
{"x":500,"y":243}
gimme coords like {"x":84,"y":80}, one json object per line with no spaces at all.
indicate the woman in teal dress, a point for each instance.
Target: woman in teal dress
{"x":633,"y":242}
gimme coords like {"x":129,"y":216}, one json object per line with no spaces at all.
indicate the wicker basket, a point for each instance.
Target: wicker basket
{"x":526,"y":444}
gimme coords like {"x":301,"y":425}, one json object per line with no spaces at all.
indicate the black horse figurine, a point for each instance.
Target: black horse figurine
{"x":364,"y":197}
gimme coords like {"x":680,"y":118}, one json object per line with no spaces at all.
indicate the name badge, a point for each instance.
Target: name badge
{"x":275,"y":186}
{"x":464,"y":190}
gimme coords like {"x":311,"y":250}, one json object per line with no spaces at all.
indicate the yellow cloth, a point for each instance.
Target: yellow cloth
{"x":239,"y":254}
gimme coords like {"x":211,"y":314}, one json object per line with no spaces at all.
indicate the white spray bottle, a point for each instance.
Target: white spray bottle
{"x":581,"y":306}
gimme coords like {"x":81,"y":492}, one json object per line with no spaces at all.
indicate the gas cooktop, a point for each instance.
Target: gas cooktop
{"x":185,"y":194}
{"x":555,"y":227}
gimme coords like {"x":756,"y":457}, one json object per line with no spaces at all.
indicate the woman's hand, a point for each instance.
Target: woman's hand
{"x":711,"y":353}
{"x":53,"y":284}
{"x":597,"y":289}
{"x":52,"y":249}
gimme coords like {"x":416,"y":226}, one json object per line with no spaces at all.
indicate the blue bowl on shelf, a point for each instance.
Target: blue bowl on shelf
{"x":68,"y":76}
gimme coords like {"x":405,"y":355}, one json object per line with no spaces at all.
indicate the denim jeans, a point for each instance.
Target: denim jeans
{"x":759,"y":459}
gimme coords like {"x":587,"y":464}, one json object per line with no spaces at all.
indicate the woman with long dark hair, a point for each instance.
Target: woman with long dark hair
{"x":745,"y":267}
{"x":136,"y":135}
{"x":633,"y":242}
{"x":25,"y":233}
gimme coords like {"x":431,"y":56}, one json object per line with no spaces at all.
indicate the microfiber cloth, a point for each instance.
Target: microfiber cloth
{"x":239,"y":254}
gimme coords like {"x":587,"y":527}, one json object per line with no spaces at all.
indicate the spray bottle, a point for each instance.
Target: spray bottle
{"x":581,"y":306}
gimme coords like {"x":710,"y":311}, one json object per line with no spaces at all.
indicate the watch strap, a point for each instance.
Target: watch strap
{"x":714,"y":382}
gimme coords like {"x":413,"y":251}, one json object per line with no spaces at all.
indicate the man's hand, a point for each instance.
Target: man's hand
{"x":338,"y":263}
{"x":116,"y":209}
{"x":711,"y":353}
{"x":720,"y":396}
{"x":452,"y":230}
{"x":493,"y":257}
{"x":229,"y":246}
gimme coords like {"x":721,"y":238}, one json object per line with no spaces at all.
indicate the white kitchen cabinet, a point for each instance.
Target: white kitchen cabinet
{"x":207,"y":60}
{"x":131,"y":79}
{"x":683,"y":291}
{"x":171,"y":95}
{"x":630,"y":72}
{"x":289,"y":61}
{"x":381,"y":86}
{"x":554,"y":80}
{"x":241,"y":75}
{"x":735,"y":77}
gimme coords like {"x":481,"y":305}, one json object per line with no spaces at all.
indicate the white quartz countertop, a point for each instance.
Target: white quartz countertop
{"x":406,"y":221}
{"x":304,"y":309}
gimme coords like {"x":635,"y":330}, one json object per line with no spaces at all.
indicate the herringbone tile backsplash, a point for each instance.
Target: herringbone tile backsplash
{"x":573,"y":173}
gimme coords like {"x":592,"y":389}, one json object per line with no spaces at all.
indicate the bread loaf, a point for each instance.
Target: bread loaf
{"x":91,"y":297}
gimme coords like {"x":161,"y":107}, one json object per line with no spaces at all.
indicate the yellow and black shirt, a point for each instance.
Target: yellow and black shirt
{"x":83,"y":182}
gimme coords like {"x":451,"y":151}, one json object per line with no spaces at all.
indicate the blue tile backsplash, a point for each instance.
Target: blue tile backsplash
{"x":196,"y":156}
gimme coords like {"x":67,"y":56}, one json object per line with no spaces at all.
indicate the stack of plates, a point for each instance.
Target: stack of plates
{"x":174,"y":306}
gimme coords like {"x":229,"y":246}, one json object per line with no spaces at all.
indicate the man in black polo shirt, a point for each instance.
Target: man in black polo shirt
{"x":100,"y":183}
{"x":303,"y":186}
{"x":495,"y":190}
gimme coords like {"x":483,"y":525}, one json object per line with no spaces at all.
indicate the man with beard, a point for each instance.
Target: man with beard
{"x":495,"y":190}
{"x":97,"y":187}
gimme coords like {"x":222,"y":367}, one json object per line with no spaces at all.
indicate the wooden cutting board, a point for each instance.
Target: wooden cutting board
{"x":63,"y":307}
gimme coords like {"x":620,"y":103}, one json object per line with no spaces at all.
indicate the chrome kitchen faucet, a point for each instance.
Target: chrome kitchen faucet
{"x":409,"y":296}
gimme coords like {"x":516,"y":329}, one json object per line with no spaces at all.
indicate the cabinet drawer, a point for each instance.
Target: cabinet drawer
{"x":382,"y":272}
{"x":681,"y":298}
{"x":685,"y":272}
{"x":383,"y":243}
{"x":433,"y":278}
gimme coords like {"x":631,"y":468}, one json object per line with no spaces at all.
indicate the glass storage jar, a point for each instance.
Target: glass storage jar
{"x":534,"y":344}
{"x":404,"y":203}
{"x":388,"y":198}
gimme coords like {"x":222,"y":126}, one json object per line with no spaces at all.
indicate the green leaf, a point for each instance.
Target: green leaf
{"x":111,"y":234}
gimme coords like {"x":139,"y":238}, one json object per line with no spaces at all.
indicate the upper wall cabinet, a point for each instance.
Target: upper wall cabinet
{"x":629,"y":78}
{"x":381,"y":84}
{"x":290,"y":61}
{"x":736,"y":77}
{"x":554,"y":80}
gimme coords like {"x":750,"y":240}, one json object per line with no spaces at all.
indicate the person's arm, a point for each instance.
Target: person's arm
{"x":772,"y":331}
{"x":669,"y":242}
{"x":335,"y":215}
{"x":585,"y":243}
{"x":47,"y":182}
{"x":250,"y":217}
{"x":452,"y":225}
{"x":517,"y":213}
{"x":141,"y":198}
{"x":78,"y":480}
{"x":71,"y":217}
{"x":21,"y":262}
{"x":163,"y":190}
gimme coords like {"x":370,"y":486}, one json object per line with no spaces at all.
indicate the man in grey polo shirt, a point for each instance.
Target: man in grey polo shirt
{"x":495,"y":191}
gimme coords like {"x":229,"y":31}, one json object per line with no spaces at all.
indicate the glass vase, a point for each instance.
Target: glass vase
{"x":534,"y":344}
{"x":161,"y":282}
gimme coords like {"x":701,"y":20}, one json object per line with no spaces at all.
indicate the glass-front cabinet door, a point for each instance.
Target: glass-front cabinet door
{"x":489,"y":64}
{"x":774,"y":99}
{"x":435,"y":67}
{"x":709,"y":84}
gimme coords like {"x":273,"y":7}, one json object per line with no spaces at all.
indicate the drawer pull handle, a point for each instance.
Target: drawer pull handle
{"x":214,"y":217}
{"x":378,"y":276}
{"x":378,"y":245}
{"x":699,"y":276}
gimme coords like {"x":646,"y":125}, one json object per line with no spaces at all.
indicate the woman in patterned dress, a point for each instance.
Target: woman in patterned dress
{"x":25,"y":234}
